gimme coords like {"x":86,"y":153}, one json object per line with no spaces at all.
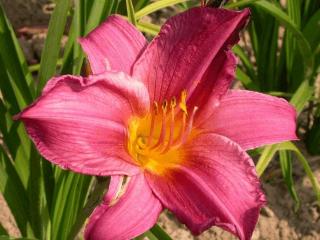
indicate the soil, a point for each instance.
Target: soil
{"x":278,"y":220}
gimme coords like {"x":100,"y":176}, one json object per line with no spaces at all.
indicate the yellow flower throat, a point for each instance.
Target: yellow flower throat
{"x":155,"y":141}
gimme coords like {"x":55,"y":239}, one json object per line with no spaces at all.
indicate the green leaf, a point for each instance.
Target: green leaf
{"x":19,"y":78}
{"x":149,"y":28}
{"x":310,"y":32}
{"x":14,"y":193}
{"x":284,"y":19}
{"x":147,"y":235}
{"x":303,"y":161}
{"x":73,"y":55}
{"x":245,"y":79}
{"x":313,"y":137}
{"x":160,"y":233}
{"x":140,"y":4}
{"x":286,"y":168}
{"x":95,"y":198}
{"x":69,"y":196}
{"x":270,"y":151}
{"x":11,"y":238}
{"x":76,"y":199}
{"x":51,"y":48}
{"x":265,"y":158}
{"x":238,"y":4}
{"x":130,"y":12}
{"x":155,"y":6}
{"x":34,"y":193}
{"x":293,"y":63}
{"x":13,"y":132}
{"x":302,"y":96}
{"x":239,"y":51}
{"x":17,"y":87}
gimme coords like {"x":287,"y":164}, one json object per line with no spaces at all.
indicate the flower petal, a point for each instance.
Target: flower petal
{"x":187,"y":44}
{"x":135,"y":212}
{"x":217,"y":185}
{"x":114,"y":45}
{"x":252,"y":119}
{"x":214,"y":84}
{"x":80,"y":123}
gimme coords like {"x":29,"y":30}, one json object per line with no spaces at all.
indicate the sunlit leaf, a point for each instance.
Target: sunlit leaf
{"x":149,"y":28}
{"x":130,"y":12}
{"x":155,"y":6}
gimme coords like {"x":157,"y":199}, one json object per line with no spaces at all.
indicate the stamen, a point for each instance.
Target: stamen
{"x":153,"y":116}
{"x":183,"y":101}
{"x":187,"y":130}
{"x":163,"y":126}
{"x":183,"y":107}
{"x":173,"y":104}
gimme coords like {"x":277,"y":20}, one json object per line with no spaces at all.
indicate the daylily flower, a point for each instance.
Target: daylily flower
{"x":161,"y":120}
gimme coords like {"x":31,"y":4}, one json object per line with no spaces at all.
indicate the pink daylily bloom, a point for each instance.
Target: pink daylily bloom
{"x":161,"y":120}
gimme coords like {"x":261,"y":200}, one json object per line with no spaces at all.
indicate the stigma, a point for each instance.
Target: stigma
{"x":161,"y":134}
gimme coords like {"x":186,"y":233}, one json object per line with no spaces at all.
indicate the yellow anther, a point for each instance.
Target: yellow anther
{"x":155,"y":108}
{"x":184,"y":96}
{"x":164,"y":106}
{"x":173,"y":103}
{"x":183,"y":101}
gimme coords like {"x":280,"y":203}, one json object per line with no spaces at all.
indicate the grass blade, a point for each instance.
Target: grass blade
{"x":284,"y":19}
{"x":240,"y":52}
{"x":160,"y":233}
{"x":245,"y":79}
{"x":314,"y":181}
{"x":239,"y":4}
{"x":130,"y":12}
{"x":155,"y":6}
{"x":13,"y":191}
{"x":270,"y":151}
{"x":313,"y":137}
{"x":15,"y":64}
{"x":309,"y":32}
{"x":51,"y":48}
{"x":265,"y":158}
{"x":149,"y":28}
{"x":286,"y":168}
{"x":302,"y":96}
{"x":69,"y":197}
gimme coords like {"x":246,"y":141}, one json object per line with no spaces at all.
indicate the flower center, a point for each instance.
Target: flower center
{"x":155,"y":141}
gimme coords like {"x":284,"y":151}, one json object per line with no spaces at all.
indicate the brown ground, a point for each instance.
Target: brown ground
{"x":277,"y":221}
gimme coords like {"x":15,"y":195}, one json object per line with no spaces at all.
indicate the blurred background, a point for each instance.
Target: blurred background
{"x":279,"y":54}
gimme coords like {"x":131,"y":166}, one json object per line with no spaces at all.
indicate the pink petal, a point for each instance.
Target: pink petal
{"x":135,"y":212}
{"x":187,"y":44}
{"x":115,"y":45}
{"x":214,"y":84}
{"x":80,"y":123}
{"x":252,"y":119}
{"x":217,"y":185}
